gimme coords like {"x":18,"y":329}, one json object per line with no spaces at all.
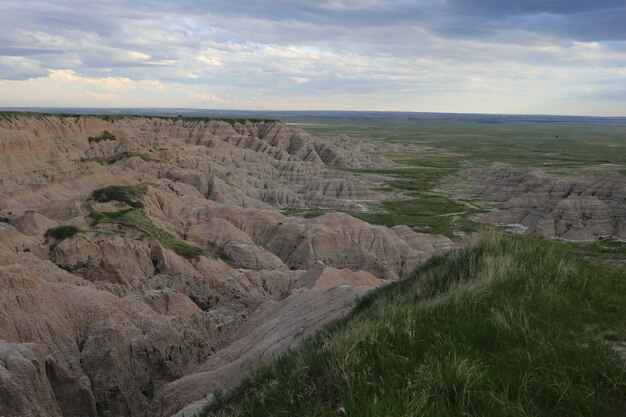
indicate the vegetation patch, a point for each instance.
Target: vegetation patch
{"x":4,"y":219}
{"x":307,"y":213}
{"x":63,"y":232}
{"x":202,"y":305}
{"x":96,"y":159}
{"x":106,"y":135}
{"x":509,"y":326}
{"x":237,"y":265}
{"x":132,"y":154}
{"x":137,"y":219}
{"x":129,"y":194}
{"x":430,"y":213}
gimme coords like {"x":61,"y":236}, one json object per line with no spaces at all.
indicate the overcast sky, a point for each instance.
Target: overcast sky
{"x":478,"y":56}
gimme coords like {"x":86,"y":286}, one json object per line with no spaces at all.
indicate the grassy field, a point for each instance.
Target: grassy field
{"x":555,"y":147}
{"x":508,"y":326}
{"x":423,"y":187}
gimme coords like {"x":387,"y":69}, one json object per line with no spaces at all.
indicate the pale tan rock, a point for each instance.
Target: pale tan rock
{"x":33,"y":224}
{"x":547,"y":206}
{"x":97,"y":323}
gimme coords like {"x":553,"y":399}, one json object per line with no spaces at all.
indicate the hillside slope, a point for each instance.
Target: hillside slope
{"x":509,"y":326}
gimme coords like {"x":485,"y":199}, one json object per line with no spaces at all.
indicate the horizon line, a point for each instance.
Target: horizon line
{"x":35,"y":108}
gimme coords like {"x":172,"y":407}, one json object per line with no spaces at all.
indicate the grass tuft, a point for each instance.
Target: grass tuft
{"x":62,"y":232}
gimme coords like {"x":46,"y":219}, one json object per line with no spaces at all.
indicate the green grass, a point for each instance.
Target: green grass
{"x":433,"y":214}
{"x":508,"y":326}
{"x":106,"y":135}
{"x":433,"y":153}
{"x":63,"y":232}
{"x":128,"y":194}
{"x":453,"y":144}
{"x":137,"y":219}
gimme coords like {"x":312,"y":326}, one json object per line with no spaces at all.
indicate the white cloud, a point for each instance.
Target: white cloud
{"x":334,"y":54}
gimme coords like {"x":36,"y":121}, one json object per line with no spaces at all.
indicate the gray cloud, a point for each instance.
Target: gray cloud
{"x":396,"y":52}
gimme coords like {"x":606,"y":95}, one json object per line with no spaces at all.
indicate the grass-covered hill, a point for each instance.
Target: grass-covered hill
{"x":509,"y":326}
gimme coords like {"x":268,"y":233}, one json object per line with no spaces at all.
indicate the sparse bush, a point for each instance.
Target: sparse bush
{"x":4,"y":219}
{"x":130,"y":195}
{"x":62,"y":232}
{"x":202,"y":305}
{"x":106,"y":135}
{"x":132,"y":154}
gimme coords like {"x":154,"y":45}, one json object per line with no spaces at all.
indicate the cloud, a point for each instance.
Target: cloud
{"x":444,"y":55}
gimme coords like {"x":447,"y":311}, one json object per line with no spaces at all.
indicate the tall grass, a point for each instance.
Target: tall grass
{"x":509,"y":326}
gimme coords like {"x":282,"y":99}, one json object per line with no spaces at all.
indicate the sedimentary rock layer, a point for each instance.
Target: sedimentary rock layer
{"x":547,"y":206}
{"x":133,"y":303}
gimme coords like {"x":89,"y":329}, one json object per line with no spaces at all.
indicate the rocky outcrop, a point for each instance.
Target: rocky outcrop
{"x":143,"y":315}
{"x":75,"y":350}
{"x":547,"y":206}
{"x":272,"y":329}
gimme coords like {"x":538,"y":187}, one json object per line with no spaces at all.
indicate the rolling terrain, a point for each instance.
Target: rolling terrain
{"x":150,"y":264}
{"x":145,"y":259}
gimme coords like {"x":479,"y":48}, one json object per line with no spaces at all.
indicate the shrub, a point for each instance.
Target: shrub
{"x":62,"y":232}
{"x":202,"y":305}
{"x":106,"y":135}
{"x":124,"y":194}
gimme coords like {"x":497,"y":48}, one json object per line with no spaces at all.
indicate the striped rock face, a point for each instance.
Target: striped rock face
{"x":180,"y":274}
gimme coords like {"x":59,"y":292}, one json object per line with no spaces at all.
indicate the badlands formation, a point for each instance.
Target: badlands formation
{"x":144,"y":262}
{"x":541,"y":205}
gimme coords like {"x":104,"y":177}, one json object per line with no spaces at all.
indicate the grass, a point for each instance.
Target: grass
{"x":137,"y":219}
{"x":62,"y":232}
{"x":430,"y":154}
{"x":556,"y":147}
{"x":128,"y":194}
{"x":237,"y":265}
{"x":106,"y":135}
{"x":508,"y":326}
{"x":307,"y":213}
{"x":434,"y":214}
{"x":132,"y":154}
{"x":4,"y":219}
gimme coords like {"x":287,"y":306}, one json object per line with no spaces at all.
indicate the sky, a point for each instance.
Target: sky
{"x":466,"y":56}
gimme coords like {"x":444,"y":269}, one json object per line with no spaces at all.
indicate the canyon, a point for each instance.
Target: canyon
{"x":146,"y":264}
